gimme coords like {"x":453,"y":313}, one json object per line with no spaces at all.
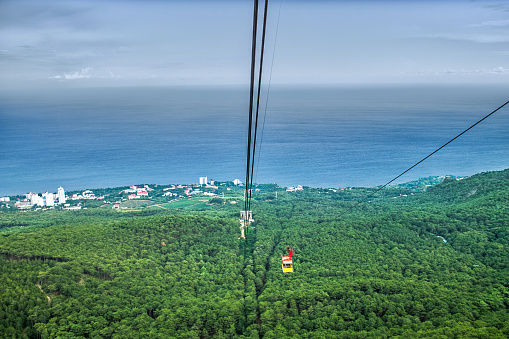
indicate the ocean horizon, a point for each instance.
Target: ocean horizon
{"x":322,"y":136}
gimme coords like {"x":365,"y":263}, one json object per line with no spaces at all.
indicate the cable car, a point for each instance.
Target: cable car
{"x":287,"y":261}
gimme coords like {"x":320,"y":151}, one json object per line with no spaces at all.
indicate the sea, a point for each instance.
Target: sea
{"x":317,"y":136}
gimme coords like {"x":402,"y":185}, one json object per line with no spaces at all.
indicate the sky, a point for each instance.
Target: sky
{"x":45,"y":43}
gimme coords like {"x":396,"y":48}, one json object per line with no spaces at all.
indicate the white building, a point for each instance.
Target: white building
{"x":236,"y":182}
{"x":203,"y":180}
{"x":48,"y":199}
{"x":35,"y":199}
{"x":294,"y":189}
{"x":61,"y":195}
{"x":88,"y":194}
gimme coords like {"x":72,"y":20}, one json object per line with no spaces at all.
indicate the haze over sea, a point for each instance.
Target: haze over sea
{"x":343,"y":136}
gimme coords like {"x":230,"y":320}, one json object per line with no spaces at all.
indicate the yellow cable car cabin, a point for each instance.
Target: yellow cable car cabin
{"x":287,"y":264}
{"x":287,"y":261}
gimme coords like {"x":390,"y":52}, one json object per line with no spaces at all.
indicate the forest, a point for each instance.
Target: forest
{"x":406,"y":263}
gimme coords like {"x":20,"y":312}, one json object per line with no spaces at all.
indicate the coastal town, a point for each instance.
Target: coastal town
{"x":203,"y":194}
{"x":136,"y":196}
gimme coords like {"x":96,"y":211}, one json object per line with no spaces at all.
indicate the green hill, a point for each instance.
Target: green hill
{"x":431,"y":264}
{"x":478,"y":186}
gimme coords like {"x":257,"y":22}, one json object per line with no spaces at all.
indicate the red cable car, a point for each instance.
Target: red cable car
{"x":287,"y":261}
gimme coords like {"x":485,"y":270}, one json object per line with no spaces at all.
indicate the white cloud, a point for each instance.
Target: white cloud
{"x":471,"y":37}
{"x":482,"y":71}
{"x":499,"y":70}
{"x":493,"y":23}
{"x":171,"y":42}
{"x":84,"y":73}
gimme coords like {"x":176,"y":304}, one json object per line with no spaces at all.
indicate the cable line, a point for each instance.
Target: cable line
{"x":258,"y":99}
{"x":426,"y":157}
{"x":246,"y":215}
{"x":251,"y":98}
{"x":268,"y":85}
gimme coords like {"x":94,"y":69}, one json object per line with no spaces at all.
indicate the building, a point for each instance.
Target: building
{"x":294,"y":189}
{"x":203,"y":180}
{"x":72,"y":208}
{"x":23,"y":204}
{"x":61,"y":195}
{"x":35,"y":199}
{"x":236,"y":182}
{"x":48,"y":199}
{"x":88,"y":194}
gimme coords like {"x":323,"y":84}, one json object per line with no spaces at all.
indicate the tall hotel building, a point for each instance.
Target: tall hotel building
{"x":61,"y":195}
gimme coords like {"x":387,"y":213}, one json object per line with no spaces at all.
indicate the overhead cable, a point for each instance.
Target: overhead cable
{"x":260,"y":70}
{"x":426,"y":157}
{"x":251,"y":99}
{"x":268,"y":86}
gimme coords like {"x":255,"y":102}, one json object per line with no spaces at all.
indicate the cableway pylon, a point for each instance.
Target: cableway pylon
{"x":246,"y":218}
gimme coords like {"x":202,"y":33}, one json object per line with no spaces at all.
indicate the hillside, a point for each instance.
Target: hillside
{"x":435,"y":263}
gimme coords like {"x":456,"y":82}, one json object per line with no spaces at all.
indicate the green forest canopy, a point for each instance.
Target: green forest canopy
{"x":431,"y":264}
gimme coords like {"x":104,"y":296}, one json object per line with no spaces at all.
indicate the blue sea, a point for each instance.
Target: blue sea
{"x":342,"y":136}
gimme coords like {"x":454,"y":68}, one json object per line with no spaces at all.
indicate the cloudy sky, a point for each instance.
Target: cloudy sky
{"x":149,"y":42}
